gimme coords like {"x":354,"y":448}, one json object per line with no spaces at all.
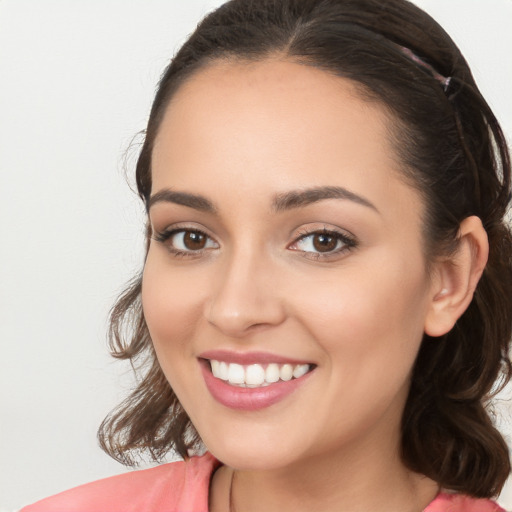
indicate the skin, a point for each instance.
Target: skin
{"x":239,"y":134}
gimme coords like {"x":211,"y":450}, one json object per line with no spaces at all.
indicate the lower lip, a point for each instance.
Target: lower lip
{"x":249,"y":399}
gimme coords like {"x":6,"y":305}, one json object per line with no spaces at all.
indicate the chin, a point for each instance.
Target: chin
{"x":255,"y":455}
{"x":253,"y":460}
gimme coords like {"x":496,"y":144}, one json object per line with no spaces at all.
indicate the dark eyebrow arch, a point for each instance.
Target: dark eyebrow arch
{"x":183,"y":198}
{"x":282,"y":202}
{"x":300,"y":198}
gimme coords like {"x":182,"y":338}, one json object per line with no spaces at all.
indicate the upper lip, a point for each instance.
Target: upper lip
{"x":246,"y":358}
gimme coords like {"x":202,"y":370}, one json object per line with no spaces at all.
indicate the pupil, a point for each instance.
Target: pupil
{"x":324,"y":243}
{"x":194,"y":240}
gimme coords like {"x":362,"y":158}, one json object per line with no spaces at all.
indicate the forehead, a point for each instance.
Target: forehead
{"x":272,"y":93}
{"x":265,"y":127}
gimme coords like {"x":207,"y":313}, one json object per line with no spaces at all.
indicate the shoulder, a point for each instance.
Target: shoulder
{"x":448,"y":502}
{"x":177,"y":486}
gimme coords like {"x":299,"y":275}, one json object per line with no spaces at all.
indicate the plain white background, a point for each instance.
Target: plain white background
{"x":76,"y":83}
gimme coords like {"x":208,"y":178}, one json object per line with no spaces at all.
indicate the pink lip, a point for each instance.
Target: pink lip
{"x":246,"y":358}
{"x":249,"y":399}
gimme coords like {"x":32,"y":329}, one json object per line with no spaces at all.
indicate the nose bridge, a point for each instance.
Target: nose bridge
{"x":243,"y":295}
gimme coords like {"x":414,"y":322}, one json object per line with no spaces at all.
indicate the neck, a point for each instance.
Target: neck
{"x":331,"y":487}
{"x":334,"y":481}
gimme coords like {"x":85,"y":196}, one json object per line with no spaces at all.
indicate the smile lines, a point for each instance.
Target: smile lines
{"x":256,"y":375}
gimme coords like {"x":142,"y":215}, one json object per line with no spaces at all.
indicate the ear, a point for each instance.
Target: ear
{"x":455,"y":278}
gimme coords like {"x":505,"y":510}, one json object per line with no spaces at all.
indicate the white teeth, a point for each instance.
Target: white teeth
{"x":272,"y":373}
{"x":286,"y":372}
{"x":300,"y":370}
{"x":236,"y":374}
{"x":215,"y":368}
{"x":223,"y":371}
{"x":255,"y":375}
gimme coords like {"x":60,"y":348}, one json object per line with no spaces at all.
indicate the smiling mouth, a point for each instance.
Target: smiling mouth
{"x":256,"y":375}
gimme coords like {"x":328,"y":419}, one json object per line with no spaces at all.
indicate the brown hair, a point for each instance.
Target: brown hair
{"x":452,"y":150}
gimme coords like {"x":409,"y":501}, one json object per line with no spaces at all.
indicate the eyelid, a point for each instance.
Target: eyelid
{"x":163,"y":237}
{"x":180,"y":226}
{"x":349,"y":242}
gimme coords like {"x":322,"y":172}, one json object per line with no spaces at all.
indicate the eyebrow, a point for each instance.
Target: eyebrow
{"x":281,"y":202}
{"x":301,"y":198}
{"x":183,"y":198}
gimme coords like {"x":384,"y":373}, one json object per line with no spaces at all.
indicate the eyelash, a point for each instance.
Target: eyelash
{"x":167,"y":234}
{"x":348,"y":242}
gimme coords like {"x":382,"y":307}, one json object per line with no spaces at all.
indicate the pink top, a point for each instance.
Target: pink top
{"x":183,"y":487}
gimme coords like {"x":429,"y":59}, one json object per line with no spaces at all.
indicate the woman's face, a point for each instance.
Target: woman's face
{"x":284,"y":240}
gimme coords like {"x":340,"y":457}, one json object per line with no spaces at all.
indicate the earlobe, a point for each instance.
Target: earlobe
{"x":456,"y":278}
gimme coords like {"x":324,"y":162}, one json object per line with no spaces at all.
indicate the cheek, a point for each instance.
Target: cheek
{"x":367,"y":315}
{"x":171,"y":303}
{"x":172,"y":306}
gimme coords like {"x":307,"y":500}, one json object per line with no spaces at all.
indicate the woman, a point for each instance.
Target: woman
{"x":326,"y":299}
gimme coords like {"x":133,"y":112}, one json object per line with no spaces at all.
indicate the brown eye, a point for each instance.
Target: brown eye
{"x":324,"y":243}
{"x":186,"y":241}
{"x":194,"y":240}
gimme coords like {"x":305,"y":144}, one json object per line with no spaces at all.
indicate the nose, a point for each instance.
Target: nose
{"x":244,"y":297}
